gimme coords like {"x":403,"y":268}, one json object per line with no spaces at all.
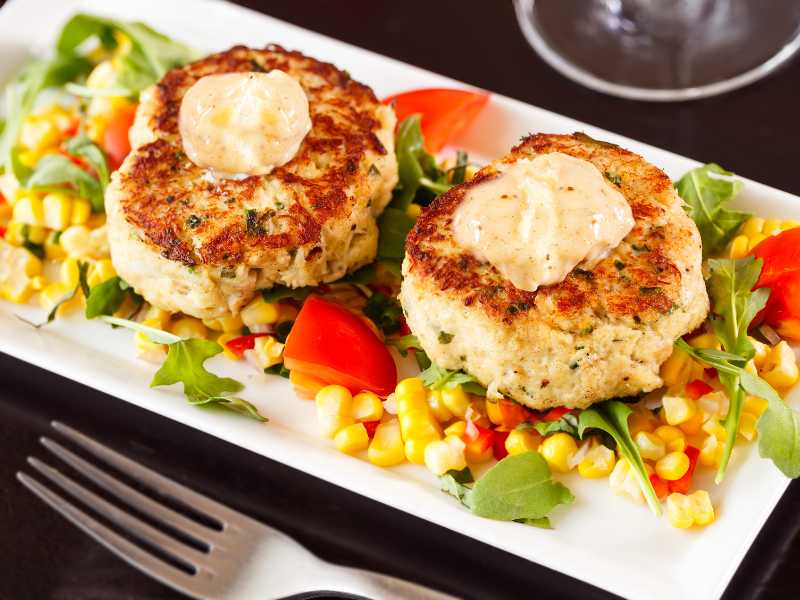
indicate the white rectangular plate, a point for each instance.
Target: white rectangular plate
{"x":601,"y":539}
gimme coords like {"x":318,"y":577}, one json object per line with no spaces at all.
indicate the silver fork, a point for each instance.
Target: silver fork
{"x":244,"y":559}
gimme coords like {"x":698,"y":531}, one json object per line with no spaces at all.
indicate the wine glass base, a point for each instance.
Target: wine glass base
{"x":610,"y":47}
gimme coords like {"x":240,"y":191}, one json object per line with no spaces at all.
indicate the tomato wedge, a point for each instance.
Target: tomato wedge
{"x":445,"y":112}
{"x":335,"y":345}
{"x":115,"y":139}
{"x":781,"y":273}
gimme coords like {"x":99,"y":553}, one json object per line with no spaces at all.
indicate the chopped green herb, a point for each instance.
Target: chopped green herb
{"x":445,"y":338}
{"x":649,"y":291}
{"x":385,"y":312}
{"x":619,"y":265}
{"x":613,"y":178}
{"x":193,"y":221}
{"x":404,"y":343}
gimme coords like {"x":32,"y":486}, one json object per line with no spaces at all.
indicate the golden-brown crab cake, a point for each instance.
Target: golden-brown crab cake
{"x":600,"y":333}
{"x":189,"y":242}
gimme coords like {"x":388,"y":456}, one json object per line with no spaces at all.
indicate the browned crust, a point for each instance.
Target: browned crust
{"x":162,"y":191}
{"x":645,"y":288}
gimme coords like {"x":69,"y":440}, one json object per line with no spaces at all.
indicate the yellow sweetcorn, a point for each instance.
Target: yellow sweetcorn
{"x":456,"y":400}
{"x":147,"y":349}
{"x":711,"y":452}
{"x":38,"y":134}
{"x":680,"y":511}
{"x":258,"y":312}
{"x":458,"y":428}
{"x":410,"y":395}
{"x":437,"y":406}
{"x":57,"y":208}
{"x":18,"y":268}
{"x":441,"y":456}
{"x":29,"y":209}
{"x":222,"y":340}
{"x":754,"y":405}
{"x":702,"y":509}
{"x":69,"y":273}
{"x":739,"y":246}
{"x":419,"y":424}
{"x":268,"y":351}
{"x":762,"y":350}
{"x":493,"y":412}
{"x":598,"y":462}
{"x":672,"y":466}
{"x":623,"y":481}
{"x":771,"y":227}
{"x":713,"y":427}
{"x":780,"y":367}
{"x":747,"y":426}
{"x":189,"y":327}
{"x":705,"y":340}
{"x":39,"y":282}
{"x":641,"y":420}
{"x":677,"y":369}
{"x":519,"y":441}
{"x":162,"y":317}
{"x":81,"y":211}
{"x":789,"y":224}
{"x":694,"y":425}
{"x":651,"y":447}
{"x":415,"y":449}
{"x":57,"y":292}
{"x":557,"y":450}
{"x":351,"y":439}
{"x":100,"y":271}
{"x":713,"y":405}
{"x":367,"y":406}
{"x":756,"y":240}
{"x":306,"y":386}
{"x":52,"y":247}
{"x":334,"y":407}
{"x":751,"y":227}
{"x":673,"y":437}
{"x":76,"y":241}
{"x":227,"y":324}
{"x":386,"y":448}
{"x":678,"y":409}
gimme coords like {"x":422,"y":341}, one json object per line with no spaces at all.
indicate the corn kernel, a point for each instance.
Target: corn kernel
{"x":678,"y":409}
{"x":367,"y":406}
{"x":441,"y":456}
{"x":76,"y":241}
{"x":52,"y":248}
{"x":437,"y":407}
{"x":771,"y":227}
{"x":259,"y":312}
{"x":189,"y":327}
{"x":415,"y":449}
{"x":598,"y":462}
{"x":557,"y":449}
{"x":411,"y":395}
{"x":705,"y":340}
{"x":780,"y":367}
{"x":351,"y":439}
{"x":38,"y":283}
{"x":756,"y":240}
{"x":458,"y":429}
{"x":268,"y":351}
{"x":739,"y":246}
{"x":672,"y":466}
{"x":493,"y":412}
{"x":227,"y":324}
{"x":753,"y":226}
{"x":623,"y":481}
{"x":306,"y":386}
{"x":651,"y":447}
{"x":522,"y":440}
{"x":702,"y":509}
{"x":100,"y":271}
{"x":418,"y":423}
{"x":81,"y":211}
{"x":57,"y":209}
{"x":69,"y":273}
{"x":711,"y":452}
{"x":55,"y":293}
{"x":754,"y":405}
{"x":334,"y":406}
{"x":146,"y":349}
{"x":694,"y":425}
{"x":713,"y":427}
{"x":762,"y":350}
{"x":669,"y":433}
{"x":713,"y":405}
{"x":29,"y":209}
{"x":789,"y":224}
{"x":676,"y":369}
{"x":222,"y":340}
{"x":747,"y":426}
{"x":386,"y":448}
{"x":679,"y":511}
{"x":38,"y":135}
{"x":641,"y":420}
{"x":456,"y":400}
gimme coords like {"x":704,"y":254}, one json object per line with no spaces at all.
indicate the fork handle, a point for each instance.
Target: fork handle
{"x":375,"y":585}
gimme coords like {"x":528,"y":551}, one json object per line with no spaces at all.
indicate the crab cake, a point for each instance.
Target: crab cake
{"x":191,"y":242}
{"x":600,"y":333}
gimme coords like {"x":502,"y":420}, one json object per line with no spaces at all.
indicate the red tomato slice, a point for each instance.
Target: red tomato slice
{"x":660,"y":486}
{"x":244,"y":342}
{"x":697,"y":388}
{"x":682,"y":485}
{"x":335,"y":345}
{"x":781,"y":255}
{"x":512,"y":414}
{"x":781,"y":273}
{"x":445,"y":112}
{"x":115,"y":139}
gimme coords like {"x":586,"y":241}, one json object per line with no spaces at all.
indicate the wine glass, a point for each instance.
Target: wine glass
{"x":662,"y":50}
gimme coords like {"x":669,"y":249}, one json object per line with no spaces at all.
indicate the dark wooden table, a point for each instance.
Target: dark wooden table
{"x":754,"y":132}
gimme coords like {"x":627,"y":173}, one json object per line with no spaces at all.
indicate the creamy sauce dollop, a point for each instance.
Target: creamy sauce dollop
{"x":541,"y":218}
{"x":238,"y":124}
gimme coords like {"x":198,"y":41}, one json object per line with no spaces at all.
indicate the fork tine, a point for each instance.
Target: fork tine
{"x":140,"y":529}
{"x":127,"y":551}
{"x":130,"y":496}
{"x":159,"y":483}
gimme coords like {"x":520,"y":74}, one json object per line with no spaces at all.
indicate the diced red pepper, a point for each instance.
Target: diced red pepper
{"x":2,"y":198}
{"x":512,"y":413}
{"x":499,"y":444}
{"x":660,"y":486}
{"x":2,"y":232}
{"x":554,"y":414}
{"x":477,"y":439}
{"x":244,"y":342}
{"x":370,"y":426}
{"x":682,"y":485}
{"x":698,"y":388}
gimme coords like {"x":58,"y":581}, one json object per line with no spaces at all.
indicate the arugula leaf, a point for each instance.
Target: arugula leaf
{"x":404,"y":343}
{"x":384,"y":311}
{"x":568,"y":424}
{"x":612,"y":417}
{"x":436,"y":378}
{"x":158,"y":336}
{"x":518,"y":488}
{"x":55,"y":171}
{"x":393,"y":227}
{"x":281,"y":292}
{"x":82,"y":147}
{"x":184,"y":365}
{"x":734,"y":306}
{"x":459,"y":172}
{"x":279,"y":369}
{"x":363,"y":276}
{"x":105,"y":298}
{"x":706,"y":190}
{"x":149,"y":56}
{"x":82,"y":269}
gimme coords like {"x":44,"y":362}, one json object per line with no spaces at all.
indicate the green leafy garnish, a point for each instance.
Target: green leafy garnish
{"x":82,"y":147}
{"x":518,"y":488}
{"x":82,"y":270}
{"x":106,"y":298}
{"x":612,"y":417}
{"x":158,"y":336}
{"x":706,"y":190}
{"x":436,"y":378}
{"x":281,"y":292}
{"x":393,"y":226}
{"x":404,"y":343}
{"x":384,"y":311}
{"x":148,"y":57}
{"x":279,"y":369}
{"x":567,"y":424}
